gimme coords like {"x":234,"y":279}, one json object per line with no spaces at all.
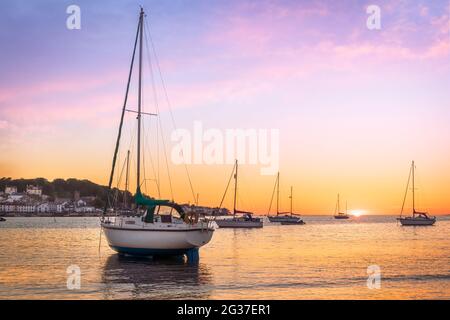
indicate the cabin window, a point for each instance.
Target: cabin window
{"x":166,"y":219}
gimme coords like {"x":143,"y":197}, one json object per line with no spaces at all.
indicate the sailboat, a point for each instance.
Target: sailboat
{"x":285,"y":218}
{"x":417,"y":218}
{"x":156,"y":227}
{"x":337,"y":211}
{"x":246,"y":219}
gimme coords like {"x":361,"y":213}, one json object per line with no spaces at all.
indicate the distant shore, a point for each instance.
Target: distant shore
{"x":96,"y":214}
{"x":49,"y":215}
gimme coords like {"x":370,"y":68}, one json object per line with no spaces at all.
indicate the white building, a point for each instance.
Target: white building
{"x":10,"y":190}
{"x":80,"y":203}
{"x":43,"y":207}
{"x":17,"y":207}
{"x":35,"y":190}
{"x":56,"y":207}
{"x":14,"y":197}
{"x":50,"y":207}
{"x":85,"y":210}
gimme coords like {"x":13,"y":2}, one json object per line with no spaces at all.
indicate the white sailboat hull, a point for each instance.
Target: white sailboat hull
{"x":156,"y":239}
{"x":409,"y":221}
{"x":285,"y":219}
{"x":341,"y":216}
{"x":238,"y":223}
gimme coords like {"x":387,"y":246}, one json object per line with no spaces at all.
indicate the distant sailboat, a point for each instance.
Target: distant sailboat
{"x":246,"y":219}
{"x":283,"y":217}
{"x":337,"y":211}
{"x":417,"y":218}
{"x":152,"y":226}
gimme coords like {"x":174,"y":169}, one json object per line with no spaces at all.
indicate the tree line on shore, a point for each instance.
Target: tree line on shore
{"x":60,"y":188}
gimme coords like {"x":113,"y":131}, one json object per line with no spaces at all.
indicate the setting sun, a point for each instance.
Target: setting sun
{"x":357,"y":213}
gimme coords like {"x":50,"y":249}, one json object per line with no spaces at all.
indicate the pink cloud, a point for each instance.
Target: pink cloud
{"x":68,"y":84}
{"x":255,"y":31}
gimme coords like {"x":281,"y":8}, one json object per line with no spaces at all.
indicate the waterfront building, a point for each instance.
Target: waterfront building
{"x":10,"y":189}
{"x":34,"y":190}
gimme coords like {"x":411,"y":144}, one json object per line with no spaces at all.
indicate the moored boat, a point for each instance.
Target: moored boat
{"x":285,"y":218}
{"x":245,"y":218}
{"x":337,"y":211}
{"x":417,"y":218}
{"x":150,"y":226}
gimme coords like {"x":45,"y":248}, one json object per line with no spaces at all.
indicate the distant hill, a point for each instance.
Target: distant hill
{"x":60,"y":188}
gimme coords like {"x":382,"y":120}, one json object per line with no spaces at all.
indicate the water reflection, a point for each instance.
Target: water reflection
{"x":163,"y":278}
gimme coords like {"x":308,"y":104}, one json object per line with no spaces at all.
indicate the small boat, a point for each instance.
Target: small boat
{"x":292,"y":222}
{"x":150,"y":226}
{"x":417,"y":218}
{"x":337,"y":211}
{"x":246,"y":220}
{"x":2,"y":219}
{"x":285,"y":218}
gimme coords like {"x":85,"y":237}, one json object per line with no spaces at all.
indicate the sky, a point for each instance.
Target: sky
{"x":352,"y":106}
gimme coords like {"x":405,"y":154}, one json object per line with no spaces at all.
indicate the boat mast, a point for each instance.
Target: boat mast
{"x":413,"y":187}
{"x":138,"y":178}
{"x":291,"y":200}
{"x":119,"y":134}
{"x":235,"y":187}
{"x":339,"y":207}
{"x":127,"y":174}
{"x":278,"y":193}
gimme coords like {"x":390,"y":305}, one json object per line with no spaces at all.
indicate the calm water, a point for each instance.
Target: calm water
{"x":324,"y":259}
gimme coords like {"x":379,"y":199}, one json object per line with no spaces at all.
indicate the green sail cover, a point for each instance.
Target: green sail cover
{"x":150,"y":203}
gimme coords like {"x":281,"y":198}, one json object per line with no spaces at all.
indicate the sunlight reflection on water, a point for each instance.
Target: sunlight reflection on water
{"x":324,"y":259}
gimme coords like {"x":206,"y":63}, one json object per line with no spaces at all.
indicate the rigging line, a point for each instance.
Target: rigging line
{"x":165,"y":156}
{"x":273,"y":193}
{"x":120,"y":180}
{"x":123,"y":113}
{"x":159,"y":122}
{"x":153,"y":168}
{"x":244,"y":202}
{"x":155,"y":101}
{"x":169,"y":106}
{"x":143,"y":153}
{"x":147,"y":143}
{"x":228,"y":184}
{"x":406,"y":191}
{"x":119,"y":177}
{"x":422,"y":195}
{"x":131,"y":145}
{"x":336,"y":206}
{"x":155,"y":172}
{"x":116,"y":190}
{"x":158,"y":177}
{"x":117,"y":163}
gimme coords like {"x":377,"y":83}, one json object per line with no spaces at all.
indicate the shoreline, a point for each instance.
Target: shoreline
{"x":97,"y":215}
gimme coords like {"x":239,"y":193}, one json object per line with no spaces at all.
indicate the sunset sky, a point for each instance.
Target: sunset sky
{"x":353,"y":106}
